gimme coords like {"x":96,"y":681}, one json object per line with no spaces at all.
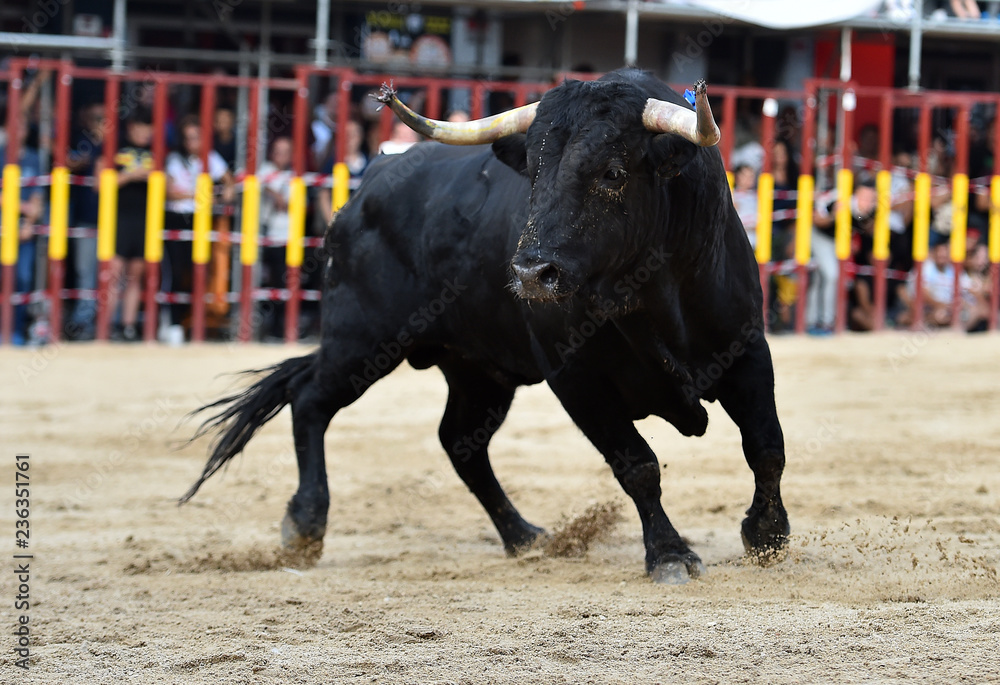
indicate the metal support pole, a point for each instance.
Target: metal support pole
{"x":916,"y":43}
{"x":263,"y":74}
{"x":632,"y":33}
{"x":322,"y":31}
{"x":845,"y":54}
{"x":118,"y":33}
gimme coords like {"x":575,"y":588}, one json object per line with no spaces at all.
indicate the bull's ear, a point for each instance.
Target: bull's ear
{"x":670,"y":154}
{"x":512,"y":150}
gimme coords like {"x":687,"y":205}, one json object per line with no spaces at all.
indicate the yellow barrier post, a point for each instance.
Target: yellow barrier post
{"x":11,"y":219}
{"x":994,"y":249}
{"x":156,"y":197}
{"x":842,"y":226}
{"x":10,"y":229}
{"x":107,"y":222}
{"x":58,"y":239}
{"x":342,"y":185}
{"x":765,"y":214}
{"x":294,"y":253}
{"x":250,"y":228}
{"x":201,"y":251}
{"x":959,"y":223}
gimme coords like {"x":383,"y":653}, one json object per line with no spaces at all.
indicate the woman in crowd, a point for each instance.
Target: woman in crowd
{"x":182,"y":170}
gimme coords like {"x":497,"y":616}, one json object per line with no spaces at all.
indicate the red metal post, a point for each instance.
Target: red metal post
{"x":478,"y":91}
{"x":434,"y":101}
{"x":805,"y":169}
{"x":840,"y":320}
{"x":112,"y":90}
{"x":728,"y":128}
{"x":200,"y":270}
{"x":246,"y":281}
{"x":13,"y":153}
{"x":294,"y":273}
{"x":57,"y":267}
{"x":764,"y":266}
{"x":961,"y":166}
{"x":885,"y":160}
{"x":923,"y":150}
{"x":343,"y":117}
{"x":151,"y":314}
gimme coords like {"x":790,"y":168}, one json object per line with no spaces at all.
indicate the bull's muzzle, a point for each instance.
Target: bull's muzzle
{"x":536,"y":279}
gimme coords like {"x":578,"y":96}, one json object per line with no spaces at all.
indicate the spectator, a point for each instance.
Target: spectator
{"x":868,"y":148}
{"x":745,"y":199}
{"x":401,"y":140}
{"x":786,"y":174}
{"x":276,"y":174}
{"x":324,"y":128}
{"x":458,"y":116}
{"x":750,"y":152}
{"x":182,"y":170}
{"x":86,"y":143}
{"x":224,"y":136}
{"x":133,"y":161}
{"x":863,"y":206}
{"x":938,"y":282}
{"x":29,"y":213}
{"x":354,"y":158}
{"x":977,"y":268}
{"x":966,"y":9}
{"x":822,"y":297}
{"x":901,"y":192}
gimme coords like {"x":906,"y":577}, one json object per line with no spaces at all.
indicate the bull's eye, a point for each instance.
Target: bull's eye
{"x":614,"y":175}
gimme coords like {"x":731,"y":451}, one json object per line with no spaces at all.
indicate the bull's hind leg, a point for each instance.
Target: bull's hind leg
{"x":344,"y":370}
{"x":477,"y":405}
{"x":747,"y":394}
{"x":597,"y":408}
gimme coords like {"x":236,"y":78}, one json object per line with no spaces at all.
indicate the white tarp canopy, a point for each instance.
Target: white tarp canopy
{"x":788,"y":14}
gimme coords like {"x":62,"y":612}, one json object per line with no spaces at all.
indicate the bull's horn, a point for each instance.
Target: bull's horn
{"x":699,"y":126}
{"x":475,"y":132}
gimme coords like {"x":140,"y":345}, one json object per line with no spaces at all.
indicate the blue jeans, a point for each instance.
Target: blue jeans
{"x":85,"y":264}
{"x":24,"y":282}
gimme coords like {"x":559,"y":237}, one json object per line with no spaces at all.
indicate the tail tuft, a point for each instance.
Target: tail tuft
{"x":246,"y":412}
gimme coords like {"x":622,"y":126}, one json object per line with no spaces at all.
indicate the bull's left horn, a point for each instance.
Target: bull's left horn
{"x":476,"y":132}
{"x":699,"y":126}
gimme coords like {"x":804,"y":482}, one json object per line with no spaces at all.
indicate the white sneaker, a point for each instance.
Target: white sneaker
{"x":175,"y":335}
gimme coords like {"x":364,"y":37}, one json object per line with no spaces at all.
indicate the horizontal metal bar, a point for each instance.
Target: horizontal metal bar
{"x":17,"y":39}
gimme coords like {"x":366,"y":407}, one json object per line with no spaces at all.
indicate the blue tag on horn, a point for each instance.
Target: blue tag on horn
{"x":689,"y":96}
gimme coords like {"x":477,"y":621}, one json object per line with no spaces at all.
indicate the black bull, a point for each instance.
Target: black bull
{"x":634,"y":293}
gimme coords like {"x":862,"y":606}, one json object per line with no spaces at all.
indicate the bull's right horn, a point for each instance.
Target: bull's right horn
{"x":476,"y":132}
{"x":699,"y":126}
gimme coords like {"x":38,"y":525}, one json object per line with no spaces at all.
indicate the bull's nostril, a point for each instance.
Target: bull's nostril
{"x":537,"y":280}
{"x":548,"y":276}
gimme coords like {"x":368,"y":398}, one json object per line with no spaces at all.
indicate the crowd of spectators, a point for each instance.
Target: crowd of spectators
{"x":824,"y":268}
{"x":363,"y":140}
{"x":133,"y":160}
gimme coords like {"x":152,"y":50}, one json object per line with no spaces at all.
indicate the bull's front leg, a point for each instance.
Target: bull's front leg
{"x":596,"y":407}
{"x":747,"y":394}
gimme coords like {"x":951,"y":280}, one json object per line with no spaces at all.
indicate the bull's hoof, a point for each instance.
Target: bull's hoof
{"x":298,"y":549}
{"x":679,"y":570}
{"x":765,"y":533}
{"x":531,"y":537}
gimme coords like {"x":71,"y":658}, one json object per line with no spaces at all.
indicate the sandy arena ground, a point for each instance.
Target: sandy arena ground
{"x":892,"y":486}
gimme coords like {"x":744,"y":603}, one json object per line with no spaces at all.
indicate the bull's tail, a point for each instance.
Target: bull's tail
{"x":244,"y":413}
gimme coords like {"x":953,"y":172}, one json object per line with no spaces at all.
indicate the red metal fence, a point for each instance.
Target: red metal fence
{"x":212,"y":239}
